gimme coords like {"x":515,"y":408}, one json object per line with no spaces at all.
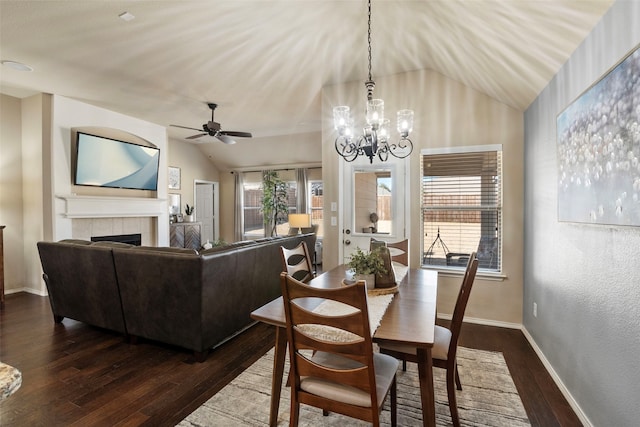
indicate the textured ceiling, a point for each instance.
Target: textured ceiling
{"x":265,"y":62}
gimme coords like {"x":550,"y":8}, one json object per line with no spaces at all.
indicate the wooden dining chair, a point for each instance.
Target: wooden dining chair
{"x":401,"y":252}
{"x":297,"y":262}
{"x":332,"y":363}
{"x":445,"y":345}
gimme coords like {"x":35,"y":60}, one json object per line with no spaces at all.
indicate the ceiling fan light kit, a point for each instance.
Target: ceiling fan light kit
{"x":375,"y":139}
{"x":213,"y":128}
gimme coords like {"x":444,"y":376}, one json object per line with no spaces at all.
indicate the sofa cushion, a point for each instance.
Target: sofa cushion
{"x":76,"y":241}
{"x":227,"y":247}
{"x":166,"y":249}
{"x":108,"y":244}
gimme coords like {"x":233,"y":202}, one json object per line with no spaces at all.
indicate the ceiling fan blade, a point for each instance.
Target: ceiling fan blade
{"x":196,"y":136}
{"x":185,"y":127}
{"x":224,"y":138}
{"x":236,"y":133}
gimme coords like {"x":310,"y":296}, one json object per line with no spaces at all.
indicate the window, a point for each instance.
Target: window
{"x":316,"y":205}
{"x":252,"y":194}
{"x":252,"y":203}
{"x":461,"y":207}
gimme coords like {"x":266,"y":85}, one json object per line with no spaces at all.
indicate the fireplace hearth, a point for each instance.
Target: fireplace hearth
{"x":132,"y":239}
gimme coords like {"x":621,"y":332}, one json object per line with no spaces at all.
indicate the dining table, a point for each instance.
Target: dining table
{"x":408,"y":320}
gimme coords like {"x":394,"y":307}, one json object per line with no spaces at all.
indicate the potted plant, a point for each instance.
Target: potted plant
{"x":189,"y":217}
{"x":365,"y":265}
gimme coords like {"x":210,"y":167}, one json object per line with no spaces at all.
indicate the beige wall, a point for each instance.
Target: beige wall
{"x":34,"y":136}
{"x":193,"y":165}
{"x":11,"y":210}
{"x":447,"y":114}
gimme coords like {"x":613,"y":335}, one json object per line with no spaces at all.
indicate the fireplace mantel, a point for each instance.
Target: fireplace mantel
{"x":77,"y":206}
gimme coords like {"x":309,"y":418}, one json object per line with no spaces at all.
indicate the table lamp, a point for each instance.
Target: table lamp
{"x":298,"y":221}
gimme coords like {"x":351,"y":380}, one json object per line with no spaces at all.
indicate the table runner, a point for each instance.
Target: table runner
{"x":376,"y":304}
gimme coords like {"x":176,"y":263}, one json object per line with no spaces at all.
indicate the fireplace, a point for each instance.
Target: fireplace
{"x":132,"y":239}
{"x":82,"y":216}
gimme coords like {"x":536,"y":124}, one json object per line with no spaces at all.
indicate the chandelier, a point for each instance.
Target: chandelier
{"x":375,"y":139}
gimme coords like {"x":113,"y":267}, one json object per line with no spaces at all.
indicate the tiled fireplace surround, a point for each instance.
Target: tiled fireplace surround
{"x":84,"y":217}
{"x":86,"y":228}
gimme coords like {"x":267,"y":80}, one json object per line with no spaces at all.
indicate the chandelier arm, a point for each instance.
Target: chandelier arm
{"x":383,"y":152}
{"x":346,"y":148}
{"x":409,"y":149}
{"x":343,"y":145}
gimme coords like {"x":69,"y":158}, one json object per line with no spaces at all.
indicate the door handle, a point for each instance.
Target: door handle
{"x":347,"y":242}
{"x":347,"y":231}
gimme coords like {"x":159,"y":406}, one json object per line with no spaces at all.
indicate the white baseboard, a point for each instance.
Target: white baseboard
{"x":27,"y":290}
{"x":485,"y":322}
{"x":563,"y":389}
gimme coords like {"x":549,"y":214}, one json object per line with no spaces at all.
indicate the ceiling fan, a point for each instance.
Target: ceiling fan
{"x":213,"y":128}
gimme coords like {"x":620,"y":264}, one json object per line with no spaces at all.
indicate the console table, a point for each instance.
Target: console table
{"x":185,"y":235}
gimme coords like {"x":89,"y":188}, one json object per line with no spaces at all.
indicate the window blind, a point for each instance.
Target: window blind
{"x":461,"y":208}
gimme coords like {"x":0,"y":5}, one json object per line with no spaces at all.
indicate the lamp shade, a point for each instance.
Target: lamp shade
{"x":299,"y":220}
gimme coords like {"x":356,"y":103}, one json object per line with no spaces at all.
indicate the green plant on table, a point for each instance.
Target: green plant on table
{"x":363,"y":263}
{"x":189,"y":209}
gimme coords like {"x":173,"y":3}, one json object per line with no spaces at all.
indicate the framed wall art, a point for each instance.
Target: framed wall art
{"x":174,"y":178}
{"x":598,"y":143}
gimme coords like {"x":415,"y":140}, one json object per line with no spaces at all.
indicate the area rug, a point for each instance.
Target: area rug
{"x":488,"y":398}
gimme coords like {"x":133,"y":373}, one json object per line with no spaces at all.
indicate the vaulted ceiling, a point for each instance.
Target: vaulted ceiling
{"x":265,"y":62}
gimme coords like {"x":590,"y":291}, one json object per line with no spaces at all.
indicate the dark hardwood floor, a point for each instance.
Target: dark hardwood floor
{"x":78,"y":375}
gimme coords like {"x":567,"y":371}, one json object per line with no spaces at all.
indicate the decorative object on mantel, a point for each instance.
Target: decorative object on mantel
{"x":189,"y":216}
{"x":174,"y":178}
{"x":598,"y":139}
{"x":365,"y":266}
{"x":375,"y":140}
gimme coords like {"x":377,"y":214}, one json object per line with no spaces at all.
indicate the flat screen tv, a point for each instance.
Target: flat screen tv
{"x":106,"y":162}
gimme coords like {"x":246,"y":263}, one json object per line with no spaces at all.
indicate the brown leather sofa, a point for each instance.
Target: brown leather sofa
{"x":195,"y":300}
{"x":81,"y":282}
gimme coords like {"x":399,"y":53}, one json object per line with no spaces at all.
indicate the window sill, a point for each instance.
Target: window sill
{"x":457,"y":272}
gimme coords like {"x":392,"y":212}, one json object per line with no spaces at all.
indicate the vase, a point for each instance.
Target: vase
{"x":189,"y":218}
{"x":370,"y":279}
